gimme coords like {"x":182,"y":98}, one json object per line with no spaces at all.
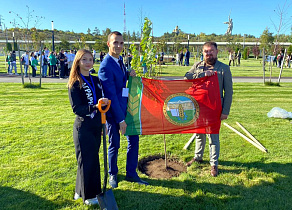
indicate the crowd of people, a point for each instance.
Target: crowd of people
{"x":52,"y":64}
{"x":287,"y":60}
{"x":234,"y":58}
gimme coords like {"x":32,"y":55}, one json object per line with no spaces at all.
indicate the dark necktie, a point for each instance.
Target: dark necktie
{"x":121,"y":65}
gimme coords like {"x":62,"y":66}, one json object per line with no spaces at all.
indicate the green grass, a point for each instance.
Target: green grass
{"x":38,"y":165}
{"x":248,"y":68}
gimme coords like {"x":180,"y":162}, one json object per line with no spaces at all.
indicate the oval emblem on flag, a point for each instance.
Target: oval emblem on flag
{"x":181,"y":109}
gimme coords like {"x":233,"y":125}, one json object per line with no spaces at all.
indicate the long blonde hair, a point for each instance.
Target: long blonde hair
{"x":75,"y":74}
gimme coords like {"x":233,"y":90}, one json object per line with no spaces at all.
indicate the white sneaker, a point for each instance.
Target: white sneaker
{"x":16,"y":74}
{"x":76,"y":196}
{"x":91,"y":201}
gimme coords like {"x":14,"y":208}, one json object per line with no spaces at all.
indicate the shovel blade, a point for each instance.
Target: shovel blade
{"x":107,"y":201}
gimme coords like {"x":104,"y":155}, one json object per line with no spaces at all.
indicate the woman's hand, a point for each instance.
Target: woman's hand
{"x":103,"y":101}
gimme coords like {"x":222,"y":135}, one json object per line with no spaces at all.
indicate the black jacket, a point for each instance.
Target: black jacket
{"x":79,"y":102}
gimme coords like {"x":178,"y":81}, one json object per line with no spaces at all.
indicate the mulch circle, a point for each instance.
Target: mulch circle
{"x":154,"y":167}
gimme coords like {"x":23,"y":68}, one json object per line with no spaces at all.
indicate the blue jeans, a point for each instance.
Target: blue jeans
{"x":8,"y":69}
{"x":44,"y":70}
{"x":214,"y":147}
{"x":25,"y":70}
{"x":13,"y":65}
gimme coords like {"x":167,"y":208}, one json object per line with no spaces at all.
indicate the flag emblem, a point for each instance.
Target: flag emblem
{"x":181,"y":109}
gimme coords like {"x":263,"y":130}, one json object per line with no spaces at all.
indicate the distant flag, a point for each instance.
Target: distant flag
{"x":177,"y":106}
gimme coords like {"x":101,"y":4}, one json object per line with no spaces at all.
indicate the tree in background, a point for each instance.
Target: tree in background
{"x":283,"y":23}
{"x":147,"y":52}
{"x":245,"y":54}
{"x":289,"y":50}
{"x":256,"y":51}
{"x":96,"y":32}
{"x":37,"y":37}
{"x":64,"y":44}
{"x":266,"y":40}
{"x":25,"y":24}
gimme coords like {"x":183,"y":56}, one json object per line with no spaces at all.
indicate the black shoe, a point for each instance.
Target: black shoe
{"x":113,"y":181}
{"x":136,"y":179}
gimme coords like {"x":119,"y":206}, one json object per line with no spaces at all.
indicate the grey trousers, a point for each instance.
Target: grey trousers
{"x":214,"y":147}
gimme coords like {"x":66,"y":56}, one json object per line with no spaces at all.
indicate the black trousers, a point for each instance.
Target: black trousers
{"x":87,"y":138}
{"x":62,"y":71}
{"x":33,"y":71}
{"x":52,"y":71}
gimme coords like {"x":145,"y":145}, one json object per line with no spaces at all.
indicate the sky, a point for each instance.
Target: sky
{"x":191,"y":16}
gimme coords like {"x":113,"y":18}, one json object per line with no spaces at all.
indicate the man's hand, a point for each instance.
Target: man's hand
{"x":123,"y":127}
{"x":132,"y":73}
{"x":209,"y":73}
{"x":223,"y":117}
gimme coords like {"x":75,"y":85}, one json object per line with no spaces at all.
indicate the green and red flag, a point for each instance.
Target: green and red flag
{"x":176,"y":106}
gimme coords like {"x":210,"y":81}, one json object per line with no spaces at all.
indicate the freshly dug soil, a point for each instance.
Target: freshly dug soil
{"x":154,"y":167}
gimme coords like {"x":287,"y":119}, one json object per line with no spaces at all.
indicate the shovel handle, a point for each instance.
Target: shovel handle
{"x":103,"y":111}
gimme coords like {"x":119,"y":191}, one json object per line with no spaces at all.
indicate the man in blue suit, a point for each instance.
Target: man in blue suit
{"x":113,"y":76}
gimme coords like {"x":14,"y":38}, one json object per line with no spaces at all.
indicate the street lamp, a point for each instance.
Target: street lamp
{"x":244,"y":40}
{"x":13,"y":41}
{"x":188,"y":41}
{"x":53,"y":41}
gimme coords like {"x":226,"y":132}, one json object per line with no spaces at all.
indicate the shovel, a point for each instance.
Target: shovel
{"x":106,"y":199}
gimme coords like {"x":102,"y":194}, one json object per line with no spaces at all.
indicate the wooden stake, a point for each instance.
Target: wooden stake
{"x":251,"y":136}
{"x":189,"y":142}
{"x":243,"y":136}
{"x":165,"y":156}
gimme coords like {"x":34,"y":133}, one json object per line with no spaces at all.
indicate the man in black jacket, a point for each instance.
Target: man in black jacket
{"x":61,"y":58}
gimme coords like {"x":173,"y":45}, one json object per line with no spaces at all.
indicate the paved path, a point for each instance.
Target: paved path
{"x":17,"y":79}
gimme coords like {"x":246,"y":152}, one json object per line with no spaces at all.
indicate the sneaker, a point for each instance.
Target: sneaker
{"x":76,"y":196}
{"x":91,"y":201}
{"x":113,"y":181}
{"x":16,"y":74}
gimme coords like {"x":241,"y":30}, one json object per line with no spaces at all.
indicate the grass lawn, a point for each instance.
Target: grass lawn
{"x":248,"y":68}
{"x":38,"y":165}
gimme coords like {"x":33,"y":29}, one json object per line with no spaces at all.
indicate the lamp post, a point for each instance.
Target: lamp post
{"x":53,"y":41}
{"x":188,"y":41}
{"x":13,"y":41}
{"x":244,"y":40}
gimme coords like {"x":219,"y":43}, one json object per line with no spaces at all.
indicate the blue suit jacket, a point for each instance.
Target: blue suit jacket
{"x":113,"y":81}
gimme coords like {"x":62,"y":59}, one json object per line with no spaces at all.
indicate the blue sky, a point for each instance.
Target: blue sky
{"x":192,"y":16}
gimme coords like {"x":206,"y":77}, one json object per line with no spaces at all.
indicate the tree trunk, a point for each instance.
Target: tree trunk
{"x":264,"y":64}
{"x":282,"y":66}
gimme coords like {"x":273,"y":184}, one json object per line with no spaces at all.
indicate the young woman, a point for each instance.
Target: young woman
{"x":53,"y":66}
{"x":34,"y":64}
{"x":85,"y":92}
